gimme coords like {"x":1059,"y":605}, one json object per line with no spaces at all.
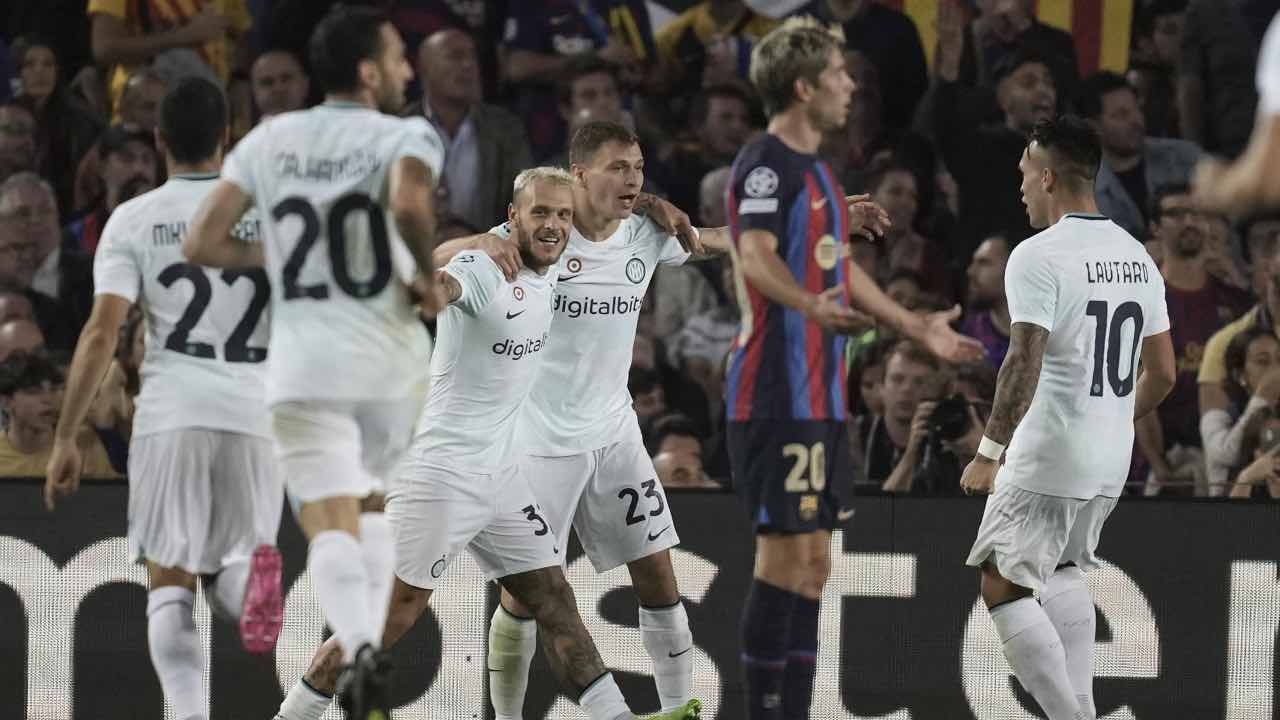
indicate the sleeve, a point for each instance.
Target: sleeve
{"x":1213,"y":364}
{"x":114,"y":8}
{"x":670,"y":251}
{"x":1159,"y":320}
{"x":423,"y":142}
{"x":1032,"y":288}
{"x":115,"y":266}
{"x":526,"y":28}
{"x":1269,"y":70}
{"x":1221,"y":438}
{"x":755,"y":200}
{"x":479,"y":277}
{"x":503,"y":231}
{"x":237,"y":167}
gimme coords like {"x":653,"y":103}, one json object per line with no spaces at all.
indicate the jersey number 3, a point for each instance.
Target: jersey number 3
{"x":1107,"y":341}
{"x":336,"y":231}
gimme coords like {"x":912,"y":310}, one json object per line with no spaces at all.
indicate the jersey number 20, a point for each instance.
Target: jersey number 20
{"x":335,"y":230}
{"x":1107,"y":340}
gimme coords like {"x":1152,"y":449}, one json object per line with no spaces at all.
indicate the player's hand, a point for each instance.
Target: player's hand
{"x":504,"y":254}
{"x":207,"y":25}
{"x":979,"y":476}
{"x":1205,"y":182}
{"x":828,"y":310}
{"x":62,"y":474}
{"x":1269,"y":386}
{"x":866,"y":218}
{"x":948,"y":344}
{"x":671,"y":219}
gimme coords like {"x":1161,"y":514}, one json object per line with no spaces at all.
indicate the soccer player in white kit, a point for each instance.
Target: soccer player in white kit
{"x":345,"y":192}
{"x":1084,"y":299}
{"x":204,"y":495}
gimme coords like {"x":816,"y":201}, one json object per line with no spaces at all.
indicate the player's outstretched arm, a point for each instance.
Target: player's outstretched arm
{"x":413,"y":209}
{"x":1250,"y":183}
{"x":768,"y":274}
{"x":932,"y":330}
{"x":209,"y":242}
{"x":502,"y":251}
{"x":94,"y":352}
{"x":1159,"y":372}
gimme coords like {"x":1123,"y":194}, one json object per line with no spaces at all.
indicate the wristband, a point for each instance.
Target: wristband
{"x":990,"y":449}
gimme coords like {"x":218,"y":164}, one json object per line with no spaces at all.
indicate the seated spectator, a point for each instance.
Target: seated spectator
{"x":896,"y":188}
{"x":679,"y":393}
{"x":1154,"y":61}
{"x":1253,"y":387}
{"x":721,"y":122}
{"x":907,"y":288}
{"x":31,"y":394}
{"x":280,"y":83}
{"x":866,"y":383}
{"x":1217,"y":99}
{"x":587,"y":90}
{"x":139,"y":107}
{"x":710,"y":43}
{"x":65,"y":129}
{"x":127,"y":153}
{"x":1261,"y":477}
{"x":711,"y":191}
{"x":911,"y":377}
{"x":485,"y":145}
{"x":677,"y":454}
{"x":1260,"y":234}
{"x":699,"y":348}
{"x":20,"y":336}
{"x":14,"y":304}
{"x":17,"y":138}
{"x":1006,"y":27}
{"x":648,"y":398}
{"x":1133,"y":164}
{"x":987,"y":306}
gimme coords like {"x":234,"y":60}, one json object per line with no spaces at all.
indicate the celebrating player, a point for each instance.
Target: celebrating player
{"x":786,"y":378}
{"x":204,"y":497}
{"x":349,"y":354}
{"x":1084,"y":297}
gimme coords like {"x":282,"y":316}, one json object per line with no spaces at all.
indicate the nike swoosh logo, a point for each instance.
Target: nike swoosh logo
{"x":676,"y":655}
{"x":843,"y":515}
{"x":818,"y":204}
{"x":555,"y":550}
{"x":566,"y":278}
{"x":655,"y":536}
{"x":511,"y":315}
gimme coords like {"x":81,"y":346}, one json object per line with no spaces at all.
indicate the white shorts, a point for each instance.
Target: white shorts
{"x":436,"y":512}
{"x":1028,"y":535}
{"x":332,"y":449}
{"x":613,"y":498}
{"x":201,"y":499}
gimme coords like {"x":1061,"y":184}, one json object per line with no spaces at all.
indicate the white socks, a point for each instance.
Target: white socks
{"x":666,"y":635}
{"x":303,"y":703}
{"x":226,"y":595}
{"x":512,"y":642}
{"x":341,"y":583}
{"x":1035,"y":653}
{"x":378,"y":550}
{"x":175,"y":651}
{"x":1068,"y":603}
{"x":602,"y":700}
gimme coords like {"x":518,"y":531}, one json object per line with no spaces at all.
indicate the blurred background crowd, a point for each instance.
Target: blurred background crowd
{"x":946,"y":92}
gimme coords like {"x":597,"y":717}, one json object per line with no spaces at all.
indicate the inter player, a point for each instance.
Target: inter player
{"x":346,"y":195}
{"x":786,"y":377}
{"x":1084,"y":299}
{"x":204,"y":496}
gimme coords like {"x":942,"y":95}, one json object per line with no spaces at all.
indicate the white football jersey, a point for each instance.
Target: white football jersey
{"x":1269,"y":70}
{"x":1099,"y":294}
{"x":342,"y":325}
{"x":490,"y":343}
{"x":580,"y":402}
{"x":206,"y":329}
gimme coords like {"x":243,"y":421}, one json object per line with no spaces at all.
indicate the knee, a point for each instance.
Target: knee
{"x":325,"y":667}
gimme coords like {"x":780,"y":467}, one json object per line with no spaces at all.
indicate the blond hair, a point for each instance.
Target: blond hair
{"x":799,"y":48}
{"x":553,"y":175}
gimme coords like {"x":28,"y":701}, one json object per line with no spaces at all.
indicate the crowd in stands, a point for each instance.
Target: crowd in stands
{"x":934,"y":136}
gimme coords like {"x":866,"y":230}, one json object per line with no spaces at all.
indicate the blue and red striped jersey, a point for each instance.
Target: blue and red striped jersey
{"x":783,"y":366}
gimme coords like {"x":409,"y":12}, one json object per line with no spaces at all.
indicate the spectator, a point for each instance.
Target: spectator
{"x":1216,"y":94}
{"x":128,"y":153}
{"x":679,"y":394}
{"x":889,"y":39}
{"x":866,"y":384}
{"x":699,"y":348}
{"x":139,"y":107}
{"x":20,"y":336}
{"x":14,"y":304}
{"x":1252,"y":366}
{"x":17,"y":138}
{"x":896,"y":188}
{"x":711,"y":192}
{"x":907,"y":288}
{"x":648,"y":398}
{"x":1133,"y":165}
{"x":61,"y":278}
{"x":911,"y":376}
{"x":31,"y":393}
{"x":178,"y":38}
{"x":1005,"y":28}
{"x":988,"y":307}
{"x":1261,"y":478}
{"x":710,"y":43}
{"x":280,"y":83}
{"x":485,"y":145}
{"x":65,"y":129}
{"x":677,"y":453}
{"x":1154,"y":62}
{"x":543,"y":37}
{"x":721,"y":122}
{"x":1260,"y":234}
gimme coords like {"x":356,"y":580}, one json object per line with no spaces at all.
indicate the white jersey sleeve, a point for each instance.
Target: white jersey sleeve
{"x":479,"y":277}
{"x":670,"y":251}
{"x":422,"y":142}
{"x":116,"y":270}
{"x":1031,"y":287}
{"x":237,"y":166}
{"x":1159,"y":322}
{"x":1269,"y":70}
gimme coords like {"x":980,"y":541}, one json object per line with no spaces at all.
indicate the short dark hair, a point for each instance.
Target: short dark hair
{"x":592,"y":136}
{"x":702,"y":100}
{"x":1088,"y":100}
{"x":1160,"y":193}
{"x":1022,"y":55}
{"x":673,"y":425}
{"x":24,"y":370}
{"x":878,"y":175}
{"x":914,"y":352}
{"x":1234,"y":358}
{"x":345,"y":37}
{"x":1072,"y":145}
{"x":193,"y":120}
{"x":578,"y":67}
{"x":642,"y":380}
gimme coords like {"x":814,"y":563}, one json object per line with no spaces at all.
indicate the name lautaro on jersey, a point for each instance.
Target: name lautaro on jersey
{"x":616,"y":305}
{"x":356,"y":164}
{"x":516,"y":349}
{"x":165,"y":234}
{"x":1116,"y":271}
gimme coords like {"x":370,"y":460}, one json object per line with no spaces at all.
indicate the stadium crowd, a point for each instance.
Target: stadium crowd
{"x":934,"y":136}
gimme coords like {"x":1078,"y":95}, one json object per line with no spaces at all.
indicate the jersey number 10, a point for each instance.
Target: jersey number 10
{"x":1107,"y":340}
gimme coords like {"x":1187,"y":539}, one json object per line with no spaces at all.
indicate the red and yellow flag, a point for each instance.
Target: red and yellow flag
{"x":1100,"y":27}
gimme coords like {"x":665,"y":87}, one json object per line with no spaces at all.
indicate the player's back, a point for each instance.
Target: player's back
{"x":206,"y":342}
{"x":1098,"y":292}
{"x":344,"y":324}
